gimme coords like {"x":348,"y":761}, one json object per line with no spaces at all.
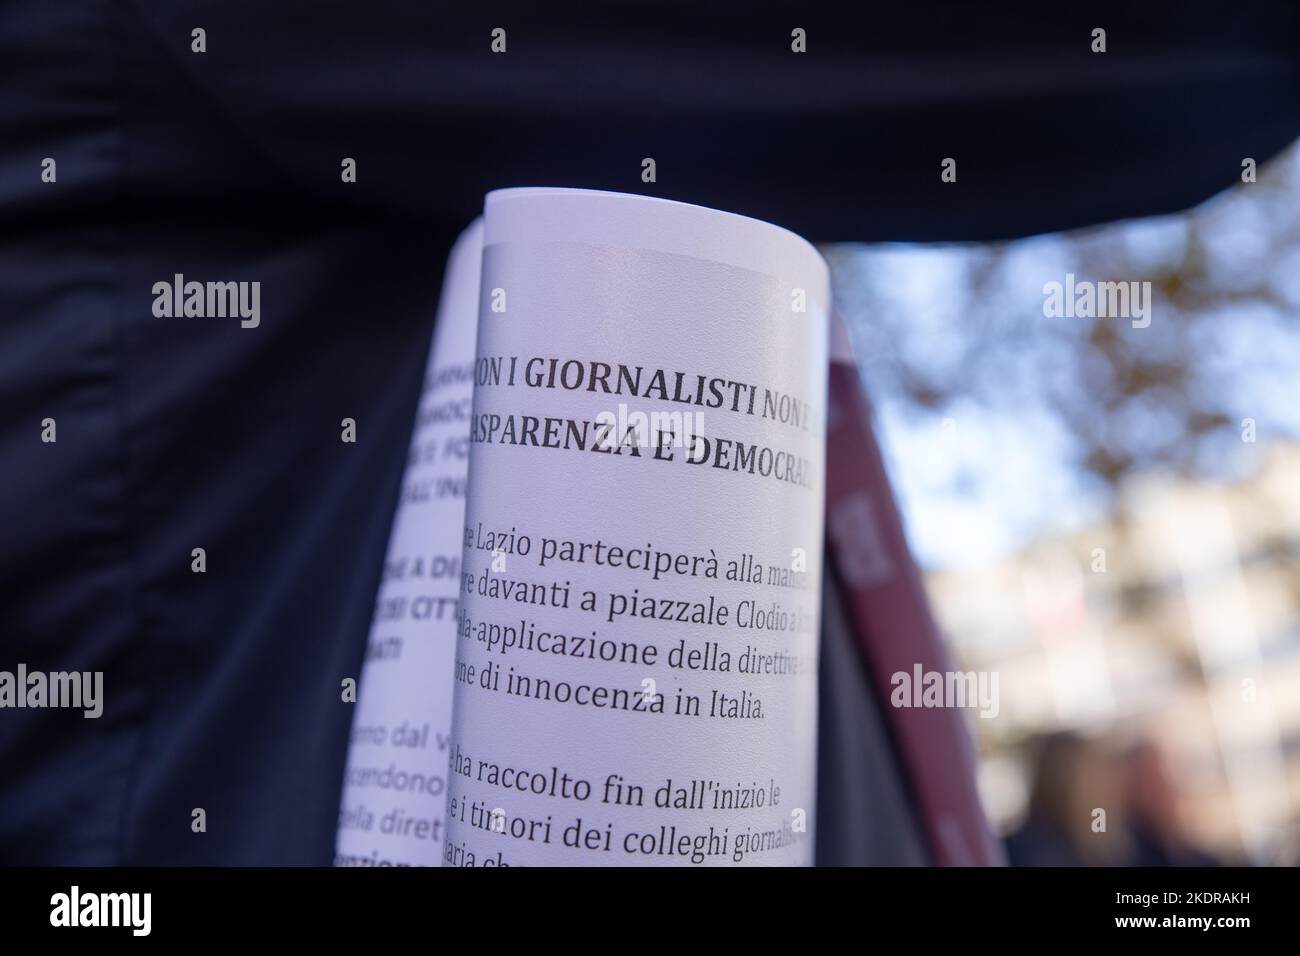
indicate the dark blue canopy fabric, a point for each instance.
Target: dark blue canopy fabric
{"x":222,"y":689}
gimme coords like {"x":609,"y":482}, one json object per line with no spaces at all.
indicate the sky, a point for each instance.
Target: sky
{"x":993,"y":466}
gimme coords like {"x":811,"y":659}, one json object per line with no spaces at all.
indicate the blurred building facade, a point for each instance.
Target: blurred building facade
{"x":1176,"y":620}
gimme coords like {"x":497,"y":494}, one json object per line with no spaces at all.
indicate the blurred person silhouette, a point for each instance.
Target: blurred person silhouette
{"x":1076,"y":806}
{"x":1156,"y":834}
